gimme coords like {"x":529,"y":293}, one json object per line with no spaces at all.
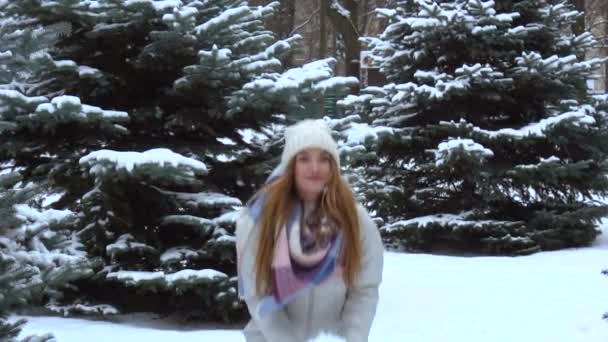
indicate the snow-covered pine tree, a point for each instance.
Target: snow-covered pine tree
{"x":12,"y":275}
{"x":356,"y":139}
{"x":40,"y":239}
{"x":39,"y":251}
{"x":155,"y":122}
{"x":19,"y":284}
{"x":497,"y":145}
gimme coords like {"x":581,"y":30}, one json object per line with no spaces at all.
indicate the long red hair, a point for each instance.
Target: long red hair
{"x":338,"y":202}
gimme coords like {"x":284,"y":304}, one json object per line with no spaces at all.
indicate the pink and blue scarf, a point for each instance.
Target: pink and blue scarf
{"x":289,"y":279}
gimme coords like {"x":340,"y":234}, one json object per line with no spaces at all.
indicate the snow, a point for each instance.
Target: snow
{"x":260,"y":66}
{"x":15,"y":95}
{"x":577,"y":117}
{"x":105,"y":26}
{"x":334,"y":82}
{"x":6,"y":54}
{"x":507,"y":17}
{"x":260,"y":84}
{"x":489,"y":6}
{"x":183,"y":13}
{"x":25,"y":212}
{"x":292,"y":78}
{"x":46,"y":260}
{"x":228,"y":16}
{"x":129,"y":160}
{"x":549,"y":296}
{"x":126,"y":243}
{"x":439,"y":91}
{"x":357,"y":133}
{"x":194,"y":274}
{"x":343,"y":121}
{"x":226,"y":141}
{"x":325,"y":337}
{"x":580,"y":116}
{"x":529,"y":61}
{"x":280,"y":45}
{"x":105,"y":113}
{"x":177,"y":254}
{"x":549,"y":160}
{"x":226,"y":238}
{"x":84,"y":70}
{"x":484,"y":29}
{"x":442,"y":219}
{"x":478,"y":71}
{"x":338,"y":81}
{"x":252,"y":40}
{"x":208,"y":199}
{"x":7,"y":170}
{"x":250,"y":136}
{"x":521,"y":30}
{"x":227,"y":218}
{"x":386,"y":12}
{"x":65,"y":310}
{"x":336,"y":5}
{"x":165,"y":4}
{"x":135,"y":277}
{"x":352,"y":100}
{"x":446,"y":149}
{"x":158,"y":5}
{"x":65,"y":64}
{"x":317,"y":74}
{"x":223,"y":158}
{"x":423,"y":75}
{"x":421,"y":23}
{"x":559,"y":10}
{"x":138,"y":277}
{"x":543,"y":161}
{"x":48,"y":155}
{"x":48,"y":198}
{"x":68,"y":102}
{"x":189,"y":220}
{"x":570,"y":15}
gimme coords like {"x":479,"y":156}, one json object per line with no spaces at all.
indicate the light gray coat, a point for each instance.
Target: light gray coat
{"x":329,"y":307}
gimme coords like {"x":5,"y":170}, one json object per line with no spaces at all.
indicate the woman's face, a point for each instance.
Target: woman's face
{"x":312,"y":172}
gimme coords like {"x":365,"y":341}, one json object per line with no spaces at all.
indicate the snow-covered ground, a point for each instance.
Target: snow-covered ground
{"x":549,"y":296}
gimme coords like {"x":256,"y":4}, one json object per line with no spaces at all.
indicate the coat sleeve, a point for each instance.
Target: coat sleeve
{"x":277,"y":326}
{"x":362,"y":299}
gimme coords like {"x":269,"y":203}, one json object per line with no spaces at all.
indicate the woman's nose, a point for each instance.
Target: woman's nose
{"x":314,"y":165}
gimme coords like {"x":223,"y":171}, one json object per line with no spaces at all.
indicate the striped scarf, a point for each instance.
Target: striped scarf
{"x":296,"y":268}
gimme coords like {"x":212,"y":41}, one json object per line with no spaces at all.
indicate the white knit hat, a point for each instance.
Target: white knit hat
{"x":305,"y":134}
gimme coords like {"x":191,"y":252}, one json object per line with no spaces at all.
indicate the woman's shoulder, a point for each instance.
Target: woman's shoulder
{"x":244,"y":223}
{"x":370,"y":234}
{"x":365,"y":219}
{"x":362,"y":212}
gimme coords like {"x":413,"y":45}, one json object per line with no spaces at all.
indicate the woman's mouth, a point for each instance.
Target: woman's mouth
{"x":314,"y":179}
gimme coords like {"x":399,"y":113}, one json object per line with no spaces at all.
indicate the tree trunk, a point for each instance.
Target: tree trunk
{"x":596,"y":21}
{"x":323,"y":33}
{"x":364,"y":18}
{"x":579,"y":27}
{"x":345,"y":26}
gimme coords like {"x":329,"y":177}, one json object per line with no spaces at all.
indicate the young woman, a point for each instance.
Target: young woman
{"x":309,"y":257}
